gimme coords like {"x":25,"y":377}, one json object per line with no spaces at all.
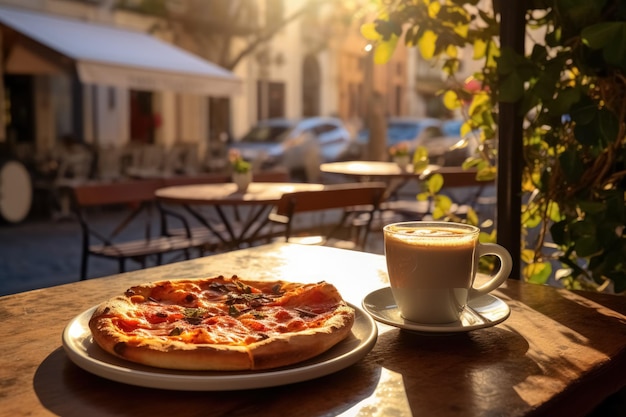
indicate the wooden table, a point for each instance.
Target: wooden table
{"x":559,"y":352}
{"x":388,"y":172}
{"x":374,"y":169}
{"x":385,"y":171}
{"x":224,"y":200}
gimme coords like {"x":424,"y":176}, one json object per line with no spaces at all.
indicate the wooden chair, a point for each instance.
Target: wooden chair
{"x":274,"y":175}
{"x":134,"y":212}
{"x":454,"y":178}
{"x":352,"y":200}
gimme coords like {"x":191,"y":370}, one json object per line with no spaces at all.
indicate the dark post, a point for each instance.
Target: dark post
{"x":508,"y":213}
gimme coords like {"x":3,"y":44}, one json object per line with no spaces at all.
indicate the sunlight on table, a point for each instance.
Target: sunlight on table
{"x":389,"y":399}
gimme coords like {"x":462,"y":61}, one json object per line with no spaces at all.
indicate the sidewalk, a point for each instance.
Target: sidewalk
{"x":41,"y":253}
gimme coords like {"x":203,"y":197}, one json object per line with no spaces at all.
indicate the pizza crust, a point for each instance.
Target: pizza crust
{"x":163,"y":352}
{"x":301,"y":346}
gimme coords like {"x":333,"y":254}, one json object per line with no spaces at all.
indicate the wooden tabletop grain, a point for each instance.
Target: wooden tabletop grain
{"x":227,"y":194}
{"x":559,"y":352}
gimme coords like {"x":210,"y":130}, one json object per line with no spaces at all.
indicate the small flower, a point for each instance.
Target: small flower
{"x":237,"y":162}
{"x":401,"y":149}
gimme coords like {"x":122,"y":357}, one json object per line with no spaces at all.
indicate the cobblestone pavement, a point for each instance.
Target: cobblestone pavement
{"x":41,"y":252}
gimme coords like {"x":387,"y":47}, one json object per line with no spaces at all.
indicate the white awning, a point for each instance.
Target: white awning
{"x":112,"y":56}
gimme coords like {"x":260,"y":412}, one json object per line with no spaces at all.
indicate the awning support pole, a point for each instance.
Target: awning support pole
{"x":510,"y":161}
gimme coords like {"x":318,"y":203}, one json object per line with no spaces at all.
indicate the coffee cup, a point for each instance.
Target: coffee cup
{"x":432,"y":268}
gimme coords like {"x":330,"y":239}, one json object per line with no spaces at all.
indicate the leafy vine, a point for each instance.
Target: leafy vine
{"x":571,"y":86}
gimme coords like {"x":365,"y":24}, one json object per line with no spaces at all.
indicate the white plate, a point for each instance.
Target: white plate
{"x":82,"y":350}
{"x":485,"y":311}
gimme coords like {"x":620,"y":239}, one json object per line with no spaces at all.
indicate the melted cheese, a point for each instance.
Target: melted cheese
{"x":225,"y":313}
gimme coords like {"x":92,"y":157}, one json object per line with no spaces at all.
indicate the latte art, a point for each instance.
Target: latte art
{"x":443,"y":237}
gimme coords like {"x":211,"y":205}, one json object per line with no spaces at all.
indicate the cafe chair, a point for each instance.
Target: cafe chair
{"x":133,"y":226}
{"x":459,"y":184}
{"x":353,"y":202}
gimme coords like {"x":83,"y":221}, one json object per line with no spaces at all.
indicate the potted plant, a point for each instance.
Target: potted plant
{"x":400,"y":155}
{"x":572,"y":88}
{"x":241,"y":170}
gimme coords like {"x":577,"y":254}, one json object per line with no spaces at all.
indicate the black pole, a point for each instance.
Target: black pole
{"x":510,"y":161}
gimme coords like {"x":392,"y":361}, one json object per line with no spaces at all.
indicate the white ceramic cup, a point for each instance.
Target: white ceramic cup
{"x":432,"y":267}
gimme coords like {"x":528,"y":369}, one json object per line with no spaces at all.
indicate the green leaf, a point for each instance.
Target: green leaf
{"x":368,"y":31}
{"x":554,"y":213}
{"x":538,"y":273}
{"x":602,"y":129}
{"x":384,"y":50}
{"x":486,"y":173}
{"x":579,"y":13}
{"x":472,"y":217}
{"x":422,"y":196}
{"x":610,"y":37}
{"x":591,"y":207}
{"x":531,"y":218}
{"x":420,"y":159}
{"x":599,"y":35}
{"x":586,"y":246}
{"x":608,"y":125}
{"x":426,"y":44}
{"x":443,"y":204}
{"x":572,"y":166}
{"x":527,"y":256}
{"x":583,"y":228}
{"x":434,"y":183}
{"x":558,"y":232}
{"x":584,"y":111}
{"x":565,"y":100}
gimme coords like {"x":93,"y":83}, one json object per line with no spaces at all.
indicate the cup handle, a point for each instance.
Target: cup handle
{"x":506,"y":264}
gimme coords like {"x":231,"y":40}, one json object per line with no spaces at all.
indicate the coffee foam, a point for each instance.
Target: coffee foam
{"x":433,"y":237}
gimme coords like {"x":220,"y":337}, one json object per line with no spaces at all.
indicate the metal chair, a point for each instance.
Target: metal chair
{"x":133,"y":231}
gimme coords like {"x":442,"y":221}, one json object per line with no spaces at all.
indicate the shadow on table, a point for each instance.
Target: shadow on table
{"x":67,"y":390}
{"x":480,"y":369}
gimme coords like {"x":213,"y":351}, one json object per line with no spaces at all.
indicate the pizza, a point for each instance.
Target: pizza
{"x":222,"y":323}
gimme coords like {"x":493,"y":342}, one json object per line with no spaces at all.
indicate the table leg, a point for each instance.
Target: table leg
{"x":250,"y":228}
{"x":207,"y":224}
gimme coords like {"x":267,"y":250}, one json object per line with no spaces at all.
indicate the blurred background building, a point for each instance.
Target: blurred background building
{"x":167,"y":83}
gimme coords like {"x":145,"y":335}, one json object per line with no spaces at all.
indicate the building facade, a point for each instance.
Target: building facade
{"x":309,"y":66}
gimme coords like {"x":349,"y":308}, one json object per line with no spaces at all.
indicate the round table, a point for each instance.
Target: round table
{"x":233,"y":228}
{"x":369,"y":169}
{"x":227,"y":194}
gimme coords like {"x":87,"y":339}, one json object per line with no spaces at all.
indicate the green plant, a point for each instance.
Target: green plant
{"x":401,"y":149}
{"x":572,"y":89}
{"x":239,"y":165}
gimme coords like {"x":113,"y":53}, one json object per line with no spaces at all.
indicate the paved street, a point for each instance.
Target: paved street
{"x":42,"y":252}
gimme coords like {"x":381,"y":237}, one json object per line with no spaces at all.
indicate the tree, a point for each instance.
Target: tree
{"x":572,"y":88}
{"x":216,"y":26}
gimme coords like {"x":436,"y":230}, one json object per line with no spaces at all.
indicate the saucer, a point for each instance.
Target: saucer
{"x":484,"y":311}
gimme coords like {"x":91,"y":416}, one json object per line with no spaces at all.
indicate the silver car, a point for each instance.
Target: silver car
{"x":300,"y":146}
{"x":437,"y":136}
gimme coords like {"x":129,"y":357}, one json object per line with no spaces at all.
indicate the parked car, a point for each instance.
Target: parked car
{"x":436,"y":135}
{"x":300,"y":146}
